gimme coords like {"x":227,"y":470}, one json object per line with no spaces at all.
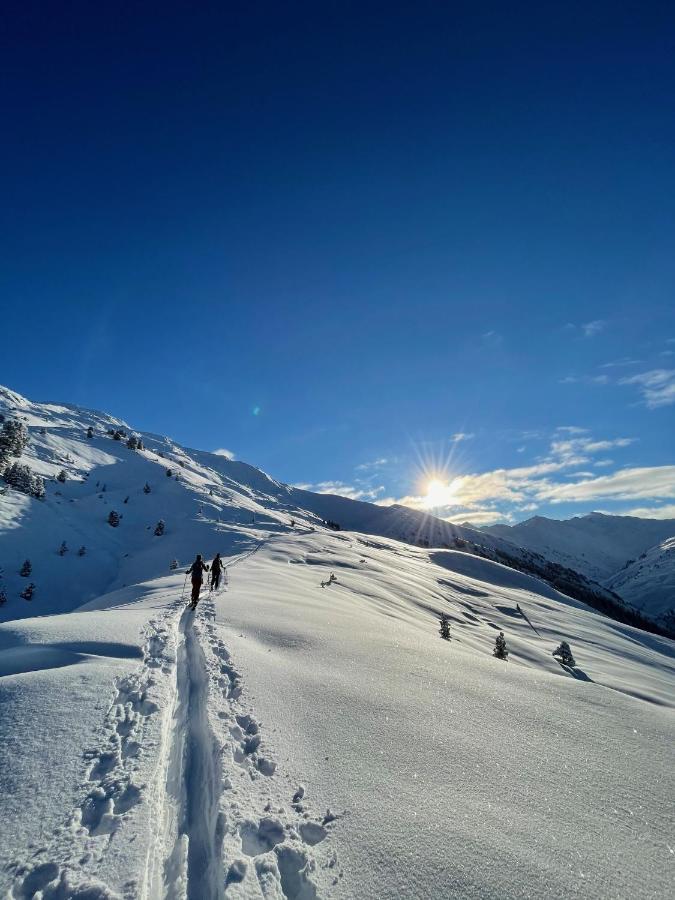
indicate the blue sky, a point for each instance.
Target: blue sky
{"x":331,"y":238}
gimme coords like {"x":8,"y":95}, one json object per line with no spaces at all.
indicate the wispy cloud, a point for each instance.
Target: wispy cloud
{"x":584,"y":379}
{"x":590,"y":329}
{"x":626,"y":484}
{"x":651,"y":512}
{"x":492,"y":338}
{"x":373,"y":464}
{"x":223,"y":451}
{"x":620,"y":363}
{"x":461,"y":436}
{"x":656,"y":386}
{"x":571,"y":429}
{"x":351,"y":491}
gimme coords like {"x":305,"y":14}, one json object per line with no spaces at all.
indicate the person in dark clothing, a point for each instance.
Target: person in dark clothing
{"x":216,"y":571}
{"x":197,"y":569}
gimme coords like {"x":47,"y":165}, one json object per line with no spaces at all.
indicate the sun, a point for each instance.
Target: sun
{"x":438,"y":493}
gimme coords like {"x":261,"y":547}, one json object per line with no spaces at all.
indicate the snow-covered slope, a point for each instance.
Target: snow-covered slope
{"x":648,"y":582}
{"x":299,"y":739}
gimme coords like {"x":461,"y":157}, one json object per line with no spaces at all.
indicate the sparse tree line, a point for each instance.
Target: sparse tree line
{"x":562,"y":653}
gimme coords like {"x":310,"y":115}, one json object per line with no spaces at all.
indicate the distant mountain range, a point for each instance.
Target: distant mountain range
{"x":633,"y":557}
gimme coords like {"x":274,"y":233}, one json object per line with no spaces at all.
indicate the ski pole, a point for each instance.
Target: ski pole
{"x":182,"y":593}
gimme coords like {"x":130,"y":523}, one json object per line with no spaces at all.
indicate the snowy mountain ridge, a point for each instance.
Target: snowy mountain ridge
{"x":302,"y":736}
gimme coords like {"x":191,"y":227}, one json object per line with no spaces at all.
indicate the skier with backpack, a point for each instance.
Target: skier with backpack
{"x":216,"y":571}
{"x":196,"y":570}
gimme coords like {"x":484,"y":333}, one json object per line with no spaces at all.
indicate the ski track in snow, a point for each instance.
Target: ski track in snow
{"x":215,"y":831}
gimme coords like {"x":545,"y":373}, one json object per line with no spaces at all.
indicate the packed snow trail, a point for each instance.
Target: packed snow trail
{"x":202,"y":823}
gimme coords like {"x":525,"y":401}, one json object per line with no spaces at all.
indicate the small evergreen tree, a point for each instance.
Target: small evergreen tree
{"x":132,"y":443}
{"x":82,"y":550}
{"x":26,"y":568}
{"x":444,"y":630}
{"x":564,"y":654}
{"x":139,"y":444}
{"x":147,"y":488}
{"x":173,"y":564}
{"x":169,"y":473}
{"x":13,"y":438}
{"x":500,"y":650}
{"x":27,"y":592}
{"x":62,"y":477}
{"x":90,"y":432}
{"x":126,"y":500}
{"x":3,"y":597}
{"x":63,"y":549}
{"x":159,"y":528}
{"x":103,"y":489}
{"x":113,"y":518}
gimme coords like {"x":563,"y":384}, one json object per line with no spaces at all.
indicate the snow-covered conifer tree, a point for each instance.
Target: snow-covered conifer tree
{"x":63,"y":549}
{"x":82,"y":550}
{"x":62,"y":477}
{"x":159,"y":528}
{"x":147,"y":488}
{"x":500,"y":650}
{"x":26,"y":568}
{"x":444,"y":630}
{"x":27,"y":592}
{"x":90,"y":432}
{"x":113,"y":518}
{"x":564,"y":654}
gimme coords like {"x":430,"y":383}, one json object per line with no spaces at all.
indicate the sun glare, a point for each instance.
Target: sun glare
{"x":438,"y":493}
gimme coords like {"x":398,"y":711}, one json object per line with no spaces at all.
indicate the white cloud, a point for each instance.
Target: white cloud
{"x":657,"y":386}
{"x":590,"y":329}
{"x":524,"y":488}
{"x":572,"y":429}
{"x":373,"y":464}
{"x":485,"y":516}
{"x":626,"y":484}
{"x":492,"y":338}
{"x":620,"y":363}
{"x":584,"y":379}
{"x":650,"y":512}
{"x":222,"y":451}
{"x":343,"y":490}
{"x":461,"y":436}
